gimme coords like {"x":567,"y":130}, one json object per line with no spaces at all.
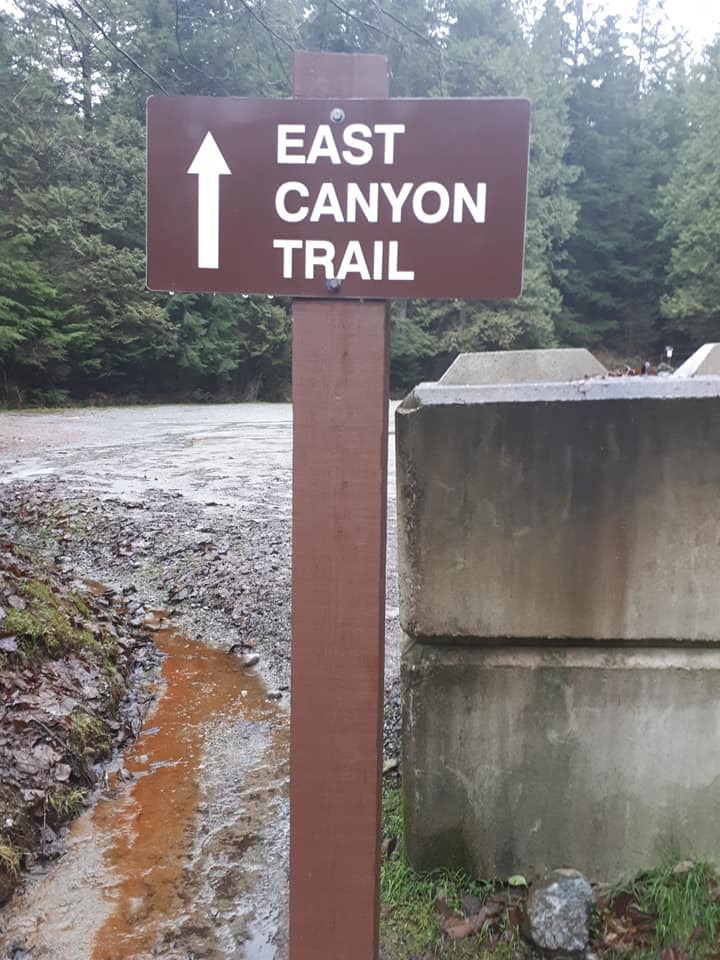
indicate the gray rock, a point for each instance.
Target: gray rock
{"x":251,"y":660}
{"x":47,"y":835}
{"x":557,"y":913}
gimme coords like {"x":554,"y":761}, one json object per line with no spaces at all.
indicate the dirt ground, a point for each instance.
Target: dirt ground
{"x":188,"y":507}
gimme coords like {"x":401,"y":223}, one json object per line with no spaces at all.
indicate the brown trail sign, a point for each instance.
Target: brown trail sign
{"x":329,"y":197}
{"x":357,"y":198}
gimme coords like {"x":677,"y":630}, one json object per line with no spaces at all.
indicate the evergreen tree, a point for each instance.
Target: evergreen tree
{"x":488,"y":55}
{"x":32,"y":115}
{"x":626,"y":111}
{"x":604,"y":227}
{"x":691,"y":208}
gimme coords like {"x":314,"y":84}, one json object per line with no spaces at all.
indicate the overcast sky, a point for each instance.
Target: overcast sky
{"x":701,"y":18}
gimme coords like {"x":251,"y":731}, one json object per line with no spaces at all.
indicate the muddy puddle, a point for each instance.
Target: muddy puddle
{"x":184,"y":855}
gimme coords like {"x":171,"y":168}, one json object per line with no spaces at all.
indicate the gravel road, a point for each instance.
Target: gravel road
{"x":190,"y":506}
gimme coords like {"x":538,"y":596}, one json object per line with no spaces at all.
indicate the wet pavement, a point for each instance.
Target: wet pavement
{"x":184,"y":856}
{"x":234,"y":454}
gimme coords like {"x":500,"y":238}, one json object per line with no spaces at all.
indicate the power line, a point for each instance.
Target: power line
{"x":364,"y":23}
{"x":83,"y":10}
{"x":402,"y":23}
{"x":248,"y":6}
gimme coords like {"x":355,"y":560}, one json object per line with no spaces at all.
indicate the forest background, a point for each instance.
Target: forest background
{"x":623,"y":239}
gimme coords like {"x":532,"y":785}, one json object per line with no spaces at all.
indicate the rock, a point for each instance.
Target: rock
{"x":470,"y":904}
{"x":274,"y":695}
{"x":62,"y":772}
{"x":387,"y":847}
{"x":47,"y":835}
{"x":557,"y":913}
{"x":55,"y":850}
{"x":390,"y":763}
{"x":251,"y":660}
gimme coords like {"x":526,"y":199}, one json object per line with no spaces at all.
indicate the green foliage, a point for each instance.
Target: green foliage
{"x":691,"y":205}
{"x":67,"y":801}
{"x":686,"y":907}
{"x":622,"y":233}
{"x":75,"y":317}
{"x":674,"y":908}
{"x":51,"y":626}
{"x":626,"y":125}
{"x":683,"y":900}
{"x":85,"y":729}
{"x":408,"y":898}
{"x":9,"y":857}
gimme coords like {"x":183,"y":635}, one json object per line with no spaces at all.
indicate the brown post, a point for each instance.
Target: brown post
{"x":340,"y":404}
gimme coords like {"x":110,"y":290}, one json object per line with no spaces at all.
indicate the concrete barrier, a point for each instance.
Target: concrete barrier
{"x":704,"y":362}
{"x":522,"y":366}
{"x":560,"y":594}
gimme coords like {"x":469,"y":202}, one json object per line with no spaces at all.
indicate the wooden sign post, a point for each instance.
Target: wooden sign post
{"x":340,"y":437}
{"x":345,"y":197}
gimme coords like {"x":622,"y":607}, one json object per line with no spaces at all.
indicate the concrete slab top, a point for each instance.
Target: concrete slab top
{"x":704,"y":362}
{"x":522,"y":366}
{"x":593,"y":389}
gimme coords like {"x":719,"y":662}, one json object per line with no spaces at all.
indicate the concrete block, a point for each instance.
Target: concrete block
{"x":703,"y":363}
{"x":585,"y":511}
{"x":522,"y":760}
{"x":522,"y":366}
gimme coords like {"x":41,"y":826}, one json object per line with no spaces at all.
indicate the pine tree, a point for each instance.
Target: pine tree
{"x":691,"y":207}
{"x":626,"y":110}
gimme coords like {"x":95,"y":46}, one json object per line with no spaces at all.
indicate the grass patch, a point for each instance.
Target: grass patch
{"x":34,"y":635}
{"x":87,"y":731}
{"x":44,"y":628}
{"x":410,"y":921}
{"x":672,"y":912}
{"x":684,"y":902}
{"x":48,"y":626}
{"x":407,"y":898}
{"x":9,"y":857}
{"x":38,"y":591}
{"x":67,"y":802}
{"x":82,"y":608}
{"x":686,"y":906}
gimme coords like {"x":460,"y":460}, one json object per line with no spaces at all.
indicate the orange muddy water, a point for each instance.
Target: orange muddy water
{"x":149,"y":831}
{"x":151,"y":870}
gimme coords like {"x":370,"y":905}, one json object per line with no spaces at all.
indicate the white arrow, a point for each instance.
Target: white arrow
{"x":209,"y":165}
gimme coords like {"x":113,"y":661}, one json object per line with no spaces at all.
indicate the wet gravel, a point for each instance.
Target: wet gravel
{"x":188,"y":505}
{"x":224,"y":580}
{"x":186,"y":510}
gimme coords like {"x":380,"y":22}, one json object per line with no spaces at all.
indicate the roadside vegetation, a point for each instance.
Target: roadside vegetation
{"x":64,"y":663}
{"x":618,"y":251}
{"x":671,"y":913}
